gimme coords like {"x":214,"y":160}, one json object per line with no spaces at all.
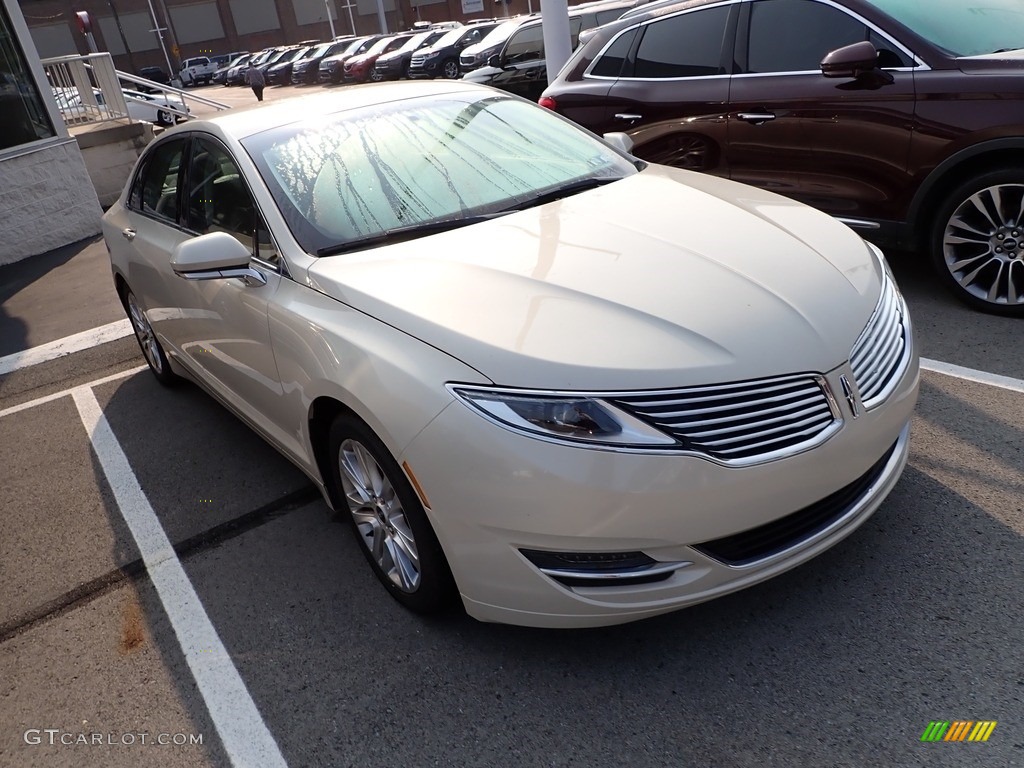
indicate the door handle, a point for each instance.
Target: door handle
{"x":626,"y":116}
{"x":756,"y":117}
{"x":128,"y":233}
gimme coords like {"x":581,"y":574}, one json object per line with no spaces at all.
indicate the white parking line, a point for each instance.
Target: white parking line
{"x":971,"y":374}
{"x":66,"y":392}
{"x":75,"y":343}
{"x":239,"y":724}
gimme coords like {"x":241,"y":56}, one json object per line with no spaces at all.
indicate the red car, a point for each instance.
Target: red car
{"x":359,"y":69}
{"x":903,"y":119}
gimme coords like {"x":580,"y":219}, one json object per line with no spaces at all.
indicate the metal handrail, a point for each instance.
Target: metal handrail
{"x":168,"y":89}
{"x":94,"y":90}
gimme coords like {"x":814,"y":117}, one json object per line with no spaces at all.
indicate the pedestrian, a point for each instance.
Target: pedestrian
{"x":254,"y":77}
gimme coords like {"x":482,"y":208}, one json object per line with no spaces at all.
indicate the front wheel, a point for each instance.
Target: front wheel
{"x":977,"y":242}
{"x":164,"y":118}
{"x":450,"y":69}
{"x":388,"y":519}
{"x":375,"y":76}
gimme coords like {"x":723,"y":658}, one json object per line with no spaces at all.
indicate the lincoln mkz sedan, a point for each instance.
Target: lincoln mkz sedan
{"x":539,"y":375}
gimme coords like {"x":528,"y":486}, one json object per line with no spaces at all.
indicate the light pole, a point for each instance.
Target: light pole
{"x":160,"y":36}
{"x":330,"y":18}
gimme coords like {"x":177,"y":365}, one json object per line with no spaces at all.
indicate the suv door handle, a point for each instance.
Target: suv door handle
{"x":756,"y":117}
{"x":626,"y":116}
{"x":128,"y":233}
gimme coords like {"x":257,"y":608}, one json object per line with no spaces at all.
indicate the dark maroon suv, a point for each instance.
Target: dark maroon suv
{"x":902,"y":118}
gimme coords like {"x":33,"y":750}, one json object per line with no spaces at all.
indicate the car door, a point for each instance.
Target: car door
{"x":673,"y":91}
{"x":222,"y":329}
{"x":840,"y":145}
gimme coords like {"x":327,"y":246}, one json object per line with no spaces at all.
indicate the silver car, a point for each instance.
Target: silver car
{"x":542,"y":377}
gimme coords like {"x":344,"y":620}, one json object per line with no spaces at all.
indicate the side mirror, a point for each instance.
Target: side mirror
{"x":215,"y":256}
{"x":494,"y":61}
{"x":850,"y":60}
{"x":621,"y":141}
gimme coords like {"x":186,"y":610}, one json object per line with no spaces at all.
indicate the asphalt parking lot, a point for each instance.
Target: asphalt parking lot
{"x":173,"y":592}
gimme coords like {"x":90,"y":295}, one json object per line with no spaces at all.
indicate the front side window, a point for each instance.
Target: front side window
{"x":156,"y":188}
{"x":364,"y":173}
{"x":687,"y":45}
{"x":795,"y":35}
{"x":218,"y":199}
{"x":23,"y":116}
{"x":525,"y":45}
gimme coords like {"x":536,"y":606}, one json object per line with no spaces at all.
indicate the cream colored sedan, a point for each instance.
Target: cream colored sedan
{"x":561,"y":384}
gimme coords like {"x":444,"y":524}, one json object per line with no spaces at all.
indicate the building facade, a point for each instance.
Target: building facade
{"x":46,"y":195}
{"x":190,"y":28}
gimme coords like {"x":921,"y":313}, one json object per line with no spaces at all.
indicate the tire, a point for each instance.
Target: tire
{"x":977,"y":242}
{"x":375,"y":76}
{"x":148,"y":343}
{"x":388,"y":520}
{"x":450,"y":69}
{"x":164,"y":118}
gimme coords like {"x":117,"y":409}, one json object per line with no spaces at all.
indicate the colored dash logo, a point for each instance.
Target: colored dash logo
{"x":959,"y":730}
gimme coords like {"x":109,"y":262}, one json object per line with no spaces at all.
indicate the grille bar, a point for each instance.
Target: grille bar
{"x":881,"y":352}
{"x":740,"y":420}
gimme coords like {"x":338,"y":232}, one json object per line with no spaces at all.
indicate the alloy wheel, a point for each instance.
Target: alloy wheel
{"x":379,"y":516}
{"x":144,"y":333}
{"x":983,"y":245}
{"x":450,"y":69}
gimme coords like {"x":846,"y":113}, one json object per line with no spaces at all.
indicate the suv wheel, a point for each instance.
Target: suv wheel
{"x":450,"y":69}
{"x":977,"y":242}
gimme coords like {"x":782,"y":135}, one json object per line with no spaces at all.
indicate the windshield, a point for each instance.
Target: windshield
{"x":962,"y":27}
{"x":499,"y":34}
{"x":362,"y":173}
{"x":450,"y":38}
{"x":414,"y":42}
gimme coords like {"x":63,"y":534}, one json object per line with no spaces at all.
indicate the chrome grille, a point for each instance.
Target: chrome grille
{"x":744,"y":422}
{"x":883,"y":349}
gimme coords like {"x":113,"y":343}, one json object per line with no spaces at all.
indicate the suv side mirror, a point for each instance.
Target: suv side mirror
{"x":495,"y":61}
{"x":850,"y":60}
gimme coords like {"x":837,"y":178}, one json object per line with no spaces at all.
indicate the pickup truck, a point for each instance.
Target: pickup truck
{"x":197,"y":71}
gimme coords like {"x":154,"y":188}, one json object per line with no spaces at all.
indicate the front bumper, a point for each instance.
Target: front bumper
{"x":492,"y":493}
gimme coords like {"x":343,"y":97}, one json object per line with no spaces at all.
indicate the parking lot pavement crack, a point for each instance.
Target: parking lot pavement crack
{"x":85,"y":593}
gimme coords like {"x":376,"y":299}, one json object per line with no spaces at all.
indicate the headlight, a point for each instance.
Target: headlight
{"x":431,"y":55}
{"x":563,"y":417}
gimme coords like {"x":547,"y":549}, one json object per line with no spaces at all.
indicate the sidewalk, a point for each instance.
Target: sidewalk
{"x":57,"y":294}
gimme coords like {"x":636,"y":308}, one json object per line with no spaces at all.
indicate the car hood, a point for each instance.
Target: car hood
{"x":663,"y":279}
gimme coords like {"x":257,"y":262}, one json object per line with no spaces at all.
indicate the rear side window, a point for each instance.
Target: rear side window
{"x":795,"y":35}
{"x":609,"y":64}
{"x":687,"y":45}
{"x":155,"y":190}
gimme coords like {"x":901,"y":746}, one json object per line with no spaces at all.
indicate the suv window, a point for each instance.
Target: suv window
{"x":610,"y":64}
{"x":156,"y":187}
{"x":795,"y":35}
{"x":687,"y":45}
{"x":527,"y":44}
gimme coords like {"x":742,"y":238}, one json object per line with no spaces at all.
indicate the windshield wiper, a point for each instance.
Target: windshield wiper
{"x":406,"y":233}
{"x":566,"y":190}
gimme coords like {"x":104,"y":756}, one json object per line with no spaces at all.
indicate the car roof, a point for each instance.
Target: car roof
{"x":241,"y":123}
